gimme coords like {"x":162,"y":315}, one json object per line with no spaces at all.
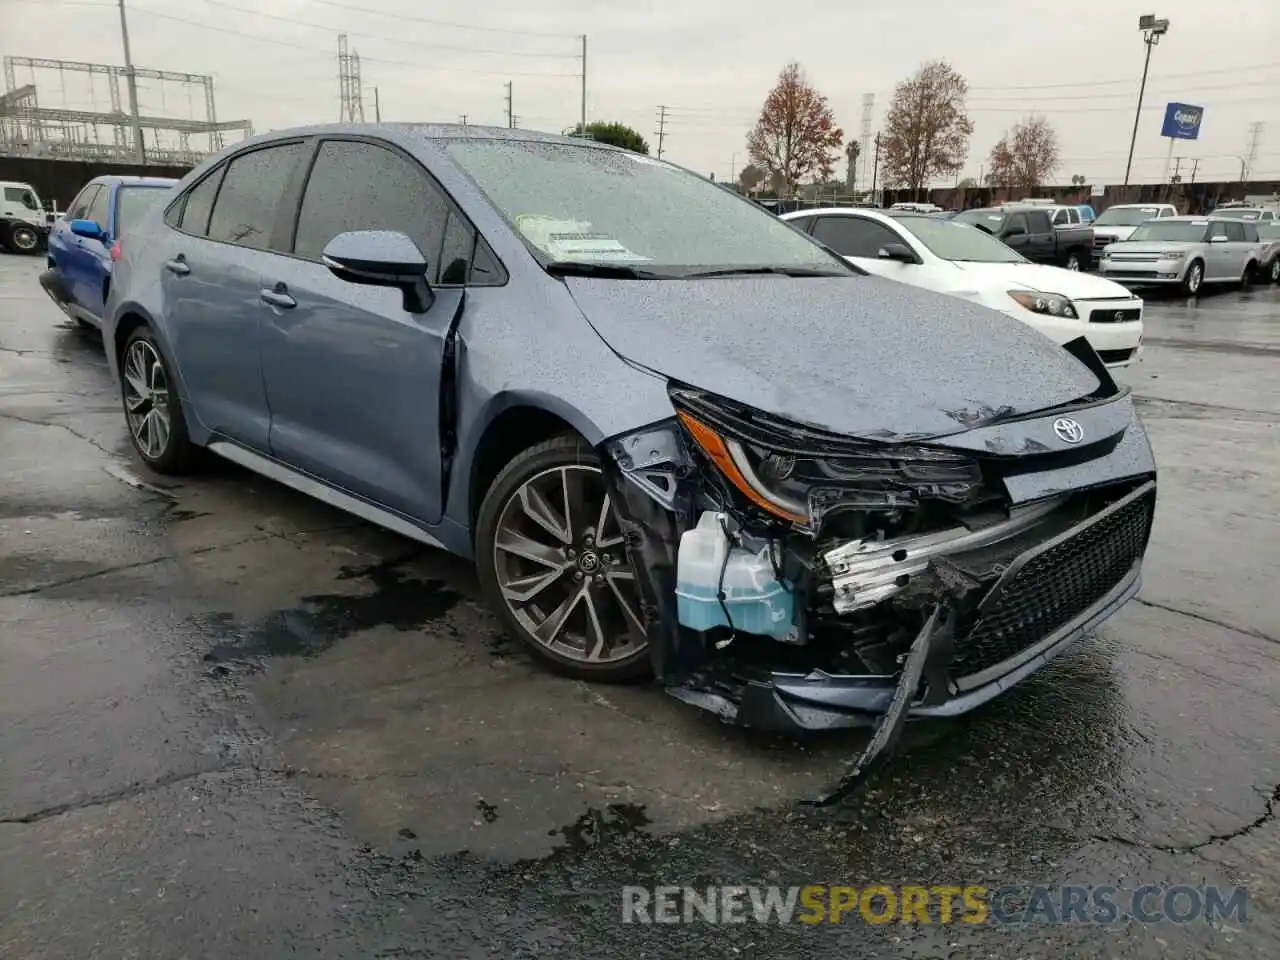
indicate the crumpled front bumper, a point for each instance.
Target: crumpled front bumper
{"x":791,"y":703}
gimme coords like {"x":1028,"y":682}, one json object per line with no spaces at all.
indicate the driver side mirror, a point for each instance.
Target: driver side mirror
{"x":381,"y":258}
{"x":897,"y":251}
{"x":89,"y":229}
{"x":1218,"y":238}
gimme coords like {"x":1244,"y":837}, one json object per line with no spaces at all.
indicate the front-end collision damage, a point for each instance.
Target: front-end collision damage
{"x":797,"y":579}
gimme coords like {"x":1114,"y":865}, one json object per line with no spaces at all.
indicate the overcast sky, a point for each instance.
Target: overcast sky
{"x":710,"y":61}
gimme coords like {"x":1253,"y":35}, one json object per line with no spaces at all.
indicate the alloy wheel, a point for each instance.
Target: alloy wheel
{"x":562,"y":567}
{"x":1275,"y":270}
{"x":24,"y":239}
{"x":1073,"y":262}
{"x":146,"y":399}
{"x":1194,"y":277}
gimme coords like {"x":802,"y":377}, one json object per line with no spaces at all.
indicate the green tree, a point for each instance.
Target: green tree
{"x":616,"y":134}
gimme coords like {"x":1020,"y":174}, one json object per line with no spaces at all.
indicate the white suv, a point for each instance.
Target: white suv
{"x":1117,"y":222}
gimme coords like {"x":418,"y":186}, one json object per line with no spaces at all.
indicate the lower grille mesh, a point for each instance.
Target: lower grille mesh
{"x":1054,"y":586}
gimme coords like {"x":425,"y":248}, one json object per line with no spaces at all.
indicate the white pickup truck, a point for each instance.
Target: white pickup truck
{"x":23,"y":223}
{"x":1117,"y":222}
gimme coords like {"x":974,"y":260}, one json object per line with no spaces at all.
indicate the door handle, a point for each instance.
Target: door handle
{"x":178,"y":265}
{"x":278,"y":296}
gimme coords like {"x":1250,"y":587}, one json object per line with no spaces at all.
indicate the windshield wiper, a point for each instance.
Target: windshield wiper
{"x":779,"y":271}
{"x":616,"y":271}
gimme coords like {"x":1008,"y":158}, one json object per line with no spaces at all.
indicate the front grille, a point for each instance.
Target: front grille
{"x":1115,"y":356}
{"x":1114,"y":316}
{"x":1128,"y":272}
{"x":1102,"y":241}
{"x":1058,"y":582}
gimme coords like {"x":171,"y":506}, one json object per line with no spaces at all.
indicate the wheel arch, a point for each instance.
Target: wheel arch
{"x":511,"y":423}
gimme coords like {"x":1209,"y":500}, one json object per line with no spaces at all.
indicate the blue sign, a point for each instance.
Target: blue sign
{"x":1182,"y":121}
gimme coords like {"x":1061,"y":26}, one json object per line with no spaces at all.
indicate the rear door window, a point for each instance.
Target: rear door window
{"x":252,"y":188}
{"x":193,"y":215}
{"x":1235,"y":231}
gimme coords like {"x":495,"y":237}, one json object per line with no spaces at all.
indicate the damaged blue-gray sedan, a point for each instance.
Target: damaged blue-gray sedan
{"x":678,"y":438}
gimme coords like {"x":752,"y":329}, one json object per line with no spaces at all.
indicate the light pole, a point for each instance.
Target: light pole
{"x":1152,"y":30}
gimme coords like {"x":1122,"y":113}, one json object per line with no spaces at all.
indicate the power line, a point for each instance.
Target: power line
{"x":417,"y":64}
{"x":484,"y":51}
{"x":353,"y":8}
{"x":1128,"y":94}
{"x":1250,"y":68}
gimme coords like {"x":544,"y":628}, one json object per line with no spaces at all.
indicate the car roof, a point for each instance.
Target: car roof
{"x":134,"y":181}
{"x":870,"y":214}
{"x":429,"y":131}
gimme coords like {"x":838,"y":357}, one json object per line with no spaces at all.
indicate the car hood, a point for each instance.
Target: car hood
{"x":1073,"y":284}
{"x":1120,"y":233}
{"x":861,"y":356}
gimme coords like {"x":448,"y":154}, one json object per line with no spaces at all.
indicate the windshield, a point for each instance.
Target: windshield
{"x":132,"y":203}
{"x":1124,"y":216}
{"x":1186,"y":231}
{"x":1238,"y":213}
{"x":954,"y":240}
{"x":582,"y":204}
{"x":989,"y":220}
{"x":23,"y":196}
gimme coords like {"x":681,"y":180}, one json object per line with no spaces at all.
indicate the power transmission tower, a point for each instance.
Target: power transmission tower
{"x":868,"y":108}
{"x":351,"y":108}
{"x":662,"y":128}
{"x":1251,"y":150}
{"x":875,"y":170}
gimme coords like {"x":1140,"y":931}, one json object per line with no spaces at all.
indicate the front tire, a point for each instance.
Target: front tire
{"x":23,"y":239}
{"x":553,"y":564}
{"x":152,"y":409}
{"x":1194,"y":279}
{"x":1274,"y":272}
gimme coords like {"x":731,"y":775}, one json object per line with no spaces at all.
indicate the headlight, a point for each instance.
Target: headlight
{"x":1173,"y":254}
{"x":802,"y":488}
{"x":1051,"y":304}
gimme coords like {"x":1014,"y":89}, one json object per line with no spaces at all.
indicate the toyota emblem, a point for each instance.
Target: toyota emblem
{"x":1068,"y":430}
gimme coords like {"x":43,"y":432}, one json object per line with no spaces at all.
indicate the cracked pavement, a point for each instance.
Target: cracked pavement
{"x":234,"y":723}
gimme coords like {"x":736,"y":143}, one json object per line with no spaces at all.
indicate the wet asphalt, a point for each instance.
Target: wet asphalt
{"x":235,"y":723}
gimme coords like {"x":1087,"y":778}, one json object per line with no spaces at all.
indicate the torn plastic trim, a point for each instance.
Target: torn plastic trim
{"x":888,"y":731}
{"x":867,"y":572}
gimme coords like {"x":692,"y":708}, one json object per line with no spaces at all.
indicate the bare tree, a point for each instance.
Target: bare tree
{"x":1027,"y":155}
{"x":796,"y":134}
{"x":926,"y":131}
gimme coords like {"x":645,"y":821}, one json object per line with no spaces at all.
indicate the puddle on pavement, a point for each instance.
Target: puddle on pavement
{"x":400,"y":600}
{"x":598,"y":827}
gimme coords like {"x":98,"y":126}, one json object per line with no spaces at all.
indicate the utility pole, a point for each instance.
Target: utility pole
{"x":463,"y":118}
{"x":733,"y":168}
{"x":1177,"y":168}
{"x":1152,"y":30}
{"x":875,"y":170}
{"x":377,"y":106}
{"x":582,"y":127}
{"x":662,"y":128}
{"x":132,"y":79}
{"x":511,"y":117}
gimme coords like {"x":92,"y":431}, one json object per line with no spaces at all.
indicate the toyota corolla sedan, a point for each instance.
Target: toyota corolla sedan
{"x":677,"y":437}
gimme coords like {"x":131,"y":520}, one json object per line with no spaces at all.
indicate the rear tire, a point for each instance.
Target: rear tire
{"x":1194,"y":279}
{"x":1074,"y":261}
{"x":1246,"y":278}
{"x":1273,"y":273}
{"x":152,"y":409}
{"x":553,"y":565}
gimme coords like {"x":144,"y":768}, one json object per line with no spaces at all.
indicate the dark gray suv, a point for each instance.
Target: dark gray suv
{"x":678,"y":438}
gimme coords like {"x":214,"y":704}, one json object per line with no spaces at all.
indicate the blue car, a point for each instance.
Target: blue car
{"x":84,"y":243}
{"x":678,"y":437}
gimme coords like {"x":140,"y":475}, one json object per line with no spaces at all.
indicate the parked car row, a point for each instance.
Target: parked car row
{"x":679,"y":437}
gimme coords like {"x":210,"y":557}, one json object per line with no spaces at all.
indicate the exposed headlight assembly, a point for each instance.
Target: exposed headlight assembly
{"x":1050,"y":304}
{"x":793,"y":475}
